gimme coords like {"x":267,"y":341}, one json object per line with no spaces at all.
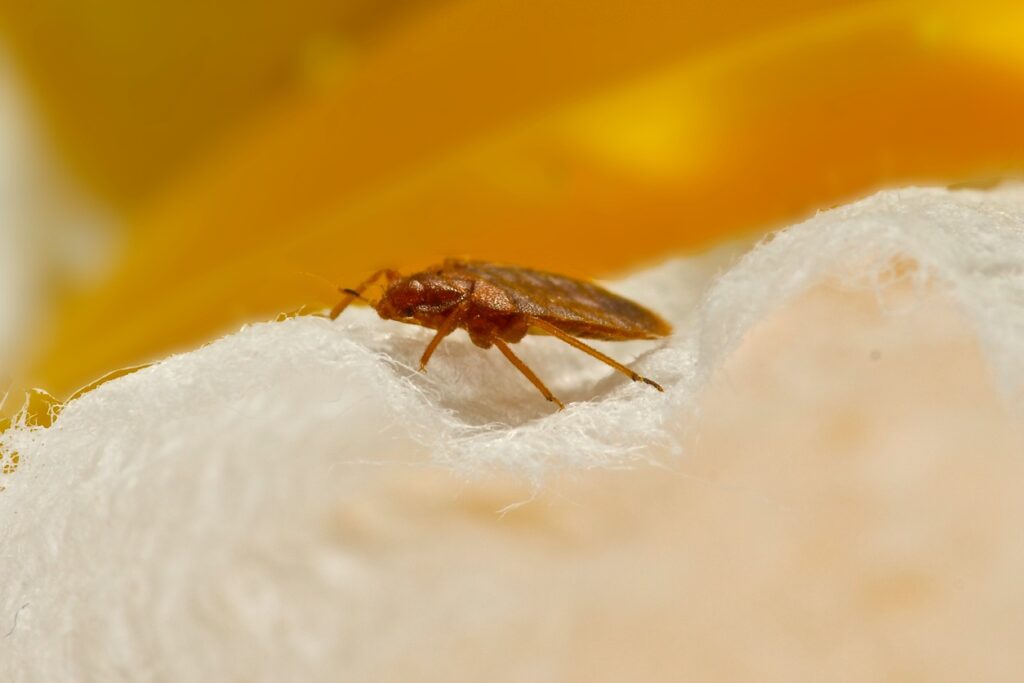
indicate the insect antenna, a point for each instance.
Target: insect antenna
{"x":352,"y":292}
{"x":350,"y":296}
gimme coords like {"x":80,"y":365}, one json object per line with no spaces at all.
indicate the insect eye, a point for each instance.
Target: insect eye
{"x":407,"y":313}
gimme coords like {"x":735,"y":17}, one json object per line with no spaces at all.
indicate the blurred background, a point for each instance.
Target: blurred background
{"x":169,"y":170}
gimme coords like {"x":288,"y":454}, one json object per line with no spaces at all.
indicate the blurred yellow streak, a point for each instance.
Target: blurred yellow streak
{"x":134,"y":91}
{"x":655,"y":132}
{"x":657,"y":128}
{"x":998,"y":36}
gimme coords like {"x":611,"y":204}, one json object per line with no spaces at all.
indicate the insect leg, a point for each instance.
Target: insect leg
{"x":352,"y":294}
{"x":573,"y":341}
{"x":446,"y":328}
{"x":525,"y":369}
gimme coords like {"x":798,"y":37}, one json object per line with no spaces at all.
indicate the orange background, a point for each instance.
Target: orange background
{"x":241,"y":148}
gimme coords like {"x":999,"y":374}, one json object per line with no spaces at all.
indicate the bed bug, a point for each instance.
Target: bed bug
{"x":498,"y":305}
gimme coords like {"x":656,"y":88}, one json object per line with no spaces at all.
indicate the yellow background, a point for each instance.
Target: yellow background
{"x":244,"y":147}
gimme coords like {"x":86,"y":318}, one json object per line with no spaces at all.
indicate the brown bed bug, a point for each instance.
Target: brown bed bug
{"x":498,"y":305}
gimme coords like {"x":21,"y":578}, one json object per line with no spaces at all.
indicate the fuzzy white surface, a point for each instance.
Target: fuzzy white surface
{"x":278,"y":505}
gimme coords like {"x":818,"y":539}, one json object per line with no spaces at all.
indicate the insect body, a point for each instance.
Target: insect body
{"x":499,"y":305}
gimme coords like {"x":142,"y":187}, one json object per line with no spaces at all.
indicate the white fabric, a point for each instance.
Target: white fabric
{"x":254,"y":510}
